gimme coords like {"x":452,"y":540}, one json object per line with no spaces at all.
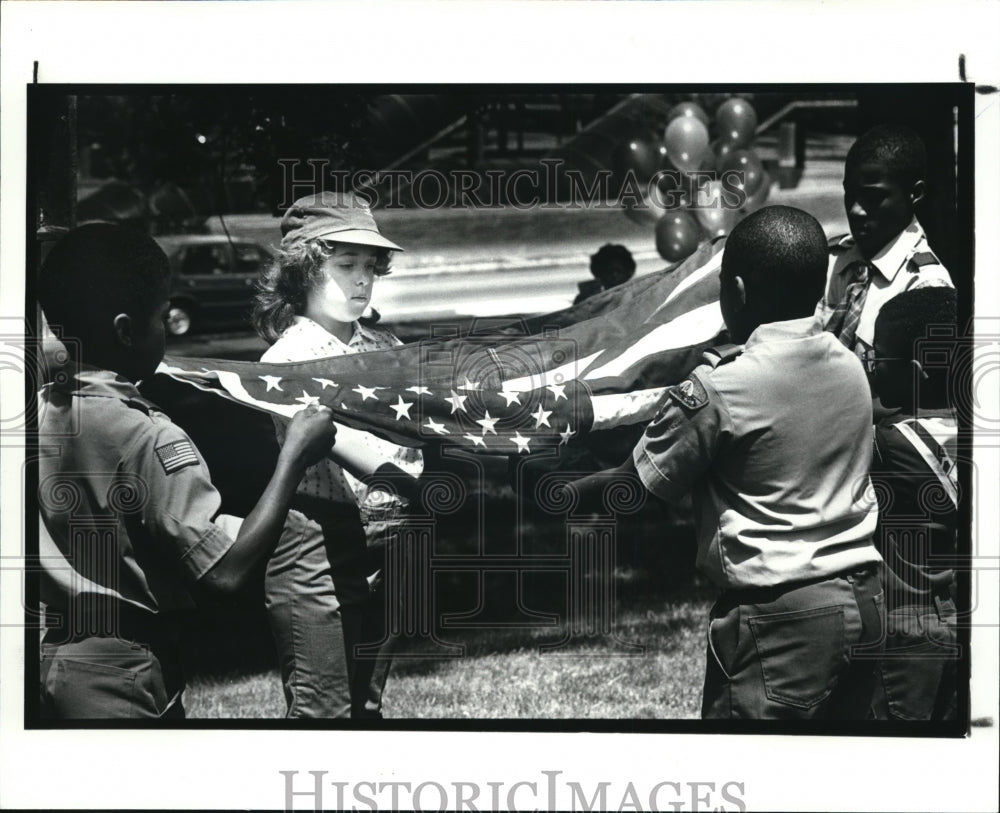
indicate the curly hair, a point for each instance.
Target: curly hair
{"x":283,"y":288}
{"x":610,"y":258}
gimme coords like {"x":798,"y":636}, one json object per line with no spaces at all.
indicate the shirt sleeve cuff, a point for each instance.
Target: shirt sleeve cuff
{"x":653,"y":479}
{"x":205,"y":554}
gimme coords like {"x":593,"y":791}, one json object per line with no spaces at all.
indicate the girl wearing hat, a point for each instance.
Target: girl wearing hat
{"x":321,"y":599}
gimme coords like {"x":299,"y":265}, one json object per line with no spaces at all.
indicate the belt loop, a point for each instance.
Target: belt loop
{"x":938,"y":606}
{"x":871,"y":621}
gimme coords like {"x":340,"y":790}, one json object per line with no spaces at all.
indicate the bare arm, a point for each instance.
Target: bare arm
{"x":355,"y":452}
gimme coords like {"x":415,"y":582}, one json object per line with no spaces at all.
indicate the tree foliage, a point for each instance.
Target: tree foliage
{"x":216,"y":144}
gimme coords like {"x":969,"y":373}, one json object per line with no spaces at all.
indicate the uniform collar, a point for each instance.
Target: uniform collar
{"x":97,"y":382}
{"x":792,"y":330}
{"x":313,"y":331}
{"x":894,"y":255}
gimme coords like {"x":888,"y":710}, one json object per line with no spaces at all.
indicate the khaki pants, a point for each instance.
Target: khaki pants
{"x":321,"y":610}
{"x":805,"y":651}
{"x":917,"y":676}
{"x":108,"y":678}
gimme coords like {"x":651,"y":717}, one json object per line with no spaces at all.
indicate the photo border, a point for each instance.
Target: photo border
{"x":712,"y":41}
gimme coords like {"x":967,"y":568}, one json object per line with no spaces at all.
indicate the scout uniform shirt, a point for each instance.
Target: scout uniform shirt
{"x":775,"y":444}
{"x":914,"y":466}
{"x":128,"y":510}
{"x":904,"y":264}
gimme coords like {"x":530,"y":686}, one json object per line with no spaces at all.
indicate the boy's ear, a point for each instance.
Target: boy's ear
{"x":917,"y":192}
{"x":741,"y":290}
{"x":123,"y":330}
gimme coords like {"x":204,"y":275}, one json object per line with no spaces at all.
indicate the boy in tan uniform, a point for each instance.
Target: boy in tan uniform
{"x":773,"y":440}
{"x":130,"y":524}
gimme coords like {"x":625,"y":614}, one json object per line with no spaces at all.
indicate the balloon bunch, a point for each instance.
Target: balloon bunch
{"x":699,"y":187}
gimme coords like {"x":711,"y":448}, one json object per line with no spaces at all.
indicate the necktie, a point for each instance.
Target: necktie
{"x":844,"y":321}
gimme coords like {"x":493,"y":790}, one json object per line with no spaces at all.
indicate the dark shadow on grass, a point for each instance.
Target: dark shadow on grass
{"x":639,"y":620}
{"x":654,"y":570}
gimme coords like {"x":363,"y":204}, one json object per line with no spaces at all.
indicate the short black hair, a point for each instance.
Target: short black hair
{"x":781,"y":254}
{"x":896,"y":147}
{"x":905,"y":318}
{"x":611,"y":257}
{"x":96,"y":271}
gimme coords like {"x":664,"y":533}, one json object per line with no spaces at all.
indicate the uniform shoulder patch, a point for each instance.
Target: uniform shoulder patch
{"x":690,"y":393}
{"x":176,"y":456}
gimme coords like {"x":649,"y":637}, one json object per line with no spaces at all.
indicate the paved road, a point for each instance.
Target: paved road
{"x":466,"y":263}
{"x":541,"y":276}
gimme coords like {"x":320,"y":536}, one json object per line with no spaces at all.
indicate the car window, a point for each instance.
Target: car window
{"x":206,"y":260}
{"x":249,"y":258}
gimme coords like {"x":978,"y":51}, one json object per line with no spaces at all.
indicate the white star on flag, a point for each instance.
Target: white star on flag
{"x":511,"y":396}
{"x":402,"y":409}
{"x":622,"y":363}
{"x":487,"y":423}
{"x":522,"y":443}
{"x":541,"y":417}
{"x":437,"y":427}
{"x":366,"y":392}
{"x":307,"y":399}
{"x":457,"y":402}
{"x":558,"y":390}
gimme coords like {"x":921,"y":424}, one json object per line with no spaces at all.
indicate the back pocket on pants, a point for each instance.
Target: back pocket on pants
{"x":102,"y":678}
{"x":801,"y":654}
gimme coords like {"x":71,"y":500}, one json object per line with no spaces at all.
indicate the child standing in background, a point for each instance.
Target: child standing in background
{"x":611,"y":266}
{"x":321,"y":598}
{"x":886,"y":252}
{"x":914,"y":462}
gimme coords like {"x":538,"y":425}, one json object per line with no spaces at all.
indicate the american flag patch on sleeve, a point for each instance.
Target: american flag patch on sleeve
{"x":176,"y":455}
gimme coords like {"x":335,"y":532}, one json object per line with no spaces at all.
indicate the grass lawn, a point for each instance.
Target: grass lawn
{"x":504,"y":675}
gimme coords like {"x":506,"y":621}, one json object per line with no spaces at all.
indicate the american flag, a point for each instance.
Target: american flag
{"x":176,"y":455}
{"x":603,"y":364}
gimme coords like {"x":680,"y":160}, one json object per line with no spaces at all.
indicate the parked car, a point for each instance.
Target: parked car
{"x":213,"y":280}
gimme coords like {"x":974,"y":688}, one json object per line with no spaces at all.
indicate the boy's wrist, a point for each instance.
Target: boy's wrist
{"x":291,"y":464}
